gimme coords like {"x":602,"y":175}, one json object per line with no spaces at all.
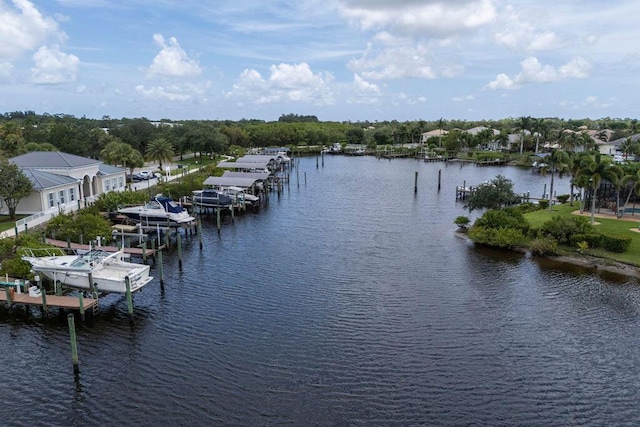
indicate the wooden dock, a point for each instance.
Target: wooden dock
{"x":131,"y":251}
{"x":53,"y":301}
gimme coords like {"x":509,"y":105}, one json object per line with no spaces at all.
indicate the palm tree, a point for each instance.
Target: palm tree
{"x":441,"y":124}
{"x":616,"y":175}
{"x":595,"y":167}
{"x":160,"y":150}
{"x":539,"y":127}
{"x":575,"y":167}
{"x":558,"y":161}
{"x":523,"y":124}
{"x":628,"y":146}
{"x":632,"y":176}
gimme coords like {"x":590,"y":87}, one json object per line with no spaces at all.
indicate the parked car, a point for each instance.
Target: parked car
{"x":144,"y":175}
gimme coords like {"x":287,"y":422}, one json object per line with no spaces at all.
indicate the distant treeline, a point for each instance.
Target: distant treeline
{"x":22,"y":131}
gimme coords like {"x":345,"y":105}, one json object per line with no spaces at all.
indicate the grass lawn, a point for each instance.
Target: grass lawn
{"x":7,"y":224}
{"x":610,"y":225}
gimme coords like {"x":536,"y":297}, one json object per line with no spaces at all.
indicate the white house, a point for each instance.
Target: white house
{"x":63,"y":181}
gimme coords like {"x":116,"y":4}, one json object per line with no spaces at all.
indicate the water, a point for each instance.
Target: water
{"x":348,"y":301}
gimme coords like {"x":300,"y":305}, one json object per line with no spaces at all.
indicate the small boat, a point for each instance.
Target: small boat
{"x":159,"y":211}
{"x":238,"y":195}
{"x":108,"y":271}
{"x":210,"y":198}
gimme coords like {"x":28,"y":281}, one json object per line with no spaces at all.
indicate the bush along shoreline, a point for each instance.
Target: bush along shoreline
{"x":556,"y":233}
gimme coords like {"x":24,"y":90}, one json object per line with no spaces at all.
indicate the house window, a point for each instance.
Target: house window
{"x":114,"y":183}
{"x":52,"y":201}
{"x":121,"y":181}
{"x":72,"y":194}
{"x":61,"y":196}
{"x":107,"y":185}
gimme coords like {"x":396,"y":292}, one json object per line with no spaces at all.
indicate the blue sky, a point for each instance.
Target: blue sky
{"x":336,"y":59}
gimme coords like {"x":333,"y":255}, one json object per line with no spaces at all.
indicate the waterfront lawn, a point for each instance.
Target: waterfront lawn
{"x":606,"y":226}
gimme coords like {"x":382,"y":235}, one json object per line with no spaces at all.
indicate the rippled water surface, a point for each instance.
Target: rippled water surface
{"x":347,"y":301}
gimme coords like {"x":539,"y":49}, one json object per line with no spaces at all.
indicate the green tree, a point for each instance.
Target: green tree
{"x":558,"y":162}
{"x":117,"y":152}
{"x":494,"y":194}
{"x":524,"y":125}
{"x":595,"y":168}
{"x":160,"y":150}
{"x":15,"y":186}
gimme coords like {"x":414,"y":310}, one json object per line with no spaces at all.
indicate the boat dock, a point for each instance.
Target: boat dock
{"x":52,"y":301}
{"x":140,"y":252}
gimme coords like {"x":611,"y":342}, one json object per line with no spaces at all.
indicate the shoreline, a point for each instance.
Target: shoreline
{"x":590,"y":262}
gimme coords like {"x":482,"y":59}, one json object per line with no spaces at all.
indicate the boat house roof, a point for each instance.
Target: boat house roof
{"x":258,"y":176}
{"x":244,"y":165}
{"x":221,"y":181}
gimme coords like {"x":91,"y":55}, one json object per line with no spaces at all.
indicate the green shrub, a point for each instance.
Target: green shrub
{"x":616,"y":242}
{"x":544,"y":246}
{"x":462,"y":222}
{"x":503,"y":218}
{"x":592,"y":239}
{"x":86,"y":223}
{"x":563,"y":198}
{"x":527,"y":207}
{"x":544,"y":204}
{"x":498,"y":237}
{"x":562,"y":228}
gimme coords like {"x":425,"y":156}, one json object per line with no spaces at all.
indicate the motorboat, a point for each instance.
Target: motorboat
{"x":238,"y":195}
{"x":159,"y":211}
{"x":211,"y":198}
{"x":94,"y":270}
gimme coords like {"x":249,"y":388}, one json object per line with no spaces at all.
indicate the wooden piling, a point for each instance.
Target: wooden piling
{"x":43,"y":292}
{"x":7,"y":291}
{"x":160,"y":268}
{"x":144,"y":252}
{"x":81,"y":304}
{"x":439,"y":178}
{"x":415,"y":183}
{"x":127,"y":285}
{"x":305,"y":178}
{"x":179,"y":251}
{"x":74,"y":345}
{"x":199,"y":225}
{"x":218,"y":217}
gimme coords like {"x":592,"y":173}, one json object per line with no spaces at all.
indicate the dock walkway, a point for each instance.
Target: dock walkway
{"x":53,"y":301}
{"x":132,"y":251}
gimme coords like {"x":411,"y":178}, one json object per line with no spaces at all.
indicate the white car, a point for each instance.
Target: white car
{"x":145,"y":174}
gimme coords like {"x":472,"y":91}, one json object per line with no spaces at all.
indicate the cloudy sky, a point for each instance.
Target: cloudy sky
{"x":336,"y":59}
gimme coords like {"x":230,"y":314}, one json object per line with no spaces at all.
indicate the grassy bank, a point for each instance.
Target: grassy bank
{"x":604,"y":223}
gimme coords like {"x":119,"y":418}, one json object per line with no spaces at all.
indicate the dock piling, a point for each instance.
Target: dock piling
{"x":415,"y":183}
{"x":179,"y":251}
{"x":74,"y":345}
{"x":439,"y":178}
{"x":127,"y":285}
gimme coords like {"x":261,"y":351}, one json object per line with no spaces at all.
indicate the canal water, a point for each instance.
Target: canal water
{"x":347,"y":301}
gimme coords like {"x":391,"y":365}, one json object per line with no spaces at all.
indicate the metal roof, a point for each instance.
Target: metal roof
{"x":221,"y":181}
{"x":42,"y":180}
{"x":241,"y":165}
{"x":51,"y":160}
{"x":256,"y":158}
{"x":109,"y":170}
{"x":258,"y":176}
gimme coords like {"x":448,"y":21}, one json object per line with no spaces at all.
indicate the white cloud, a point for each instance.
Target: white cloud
{"x":527,"y":30}
{"x":176,"y":92}
{"x":172,"y":60}
{"x":23,"y":28}
{"x":434,"y":18}
{"x":534,"y":72}
{"x":6,"y":68}
{"x":53,"y":66}
{"x":463,"y":98}
{"x":286,"y":82}
{"x":364,"y":92}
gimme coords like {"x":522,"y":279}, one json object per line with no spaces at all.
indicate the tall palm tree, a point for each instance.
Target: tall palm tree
{"x":160,"y":150}
{"x":616,"y":175}
{"x":558,"y":162}
{"x":523,"y":124}
{"x":539,"y":127}
{"x":595,"y":167}
{"x":441,"y":124}
{"x":575,"y":167}
{"x":632,"y":176}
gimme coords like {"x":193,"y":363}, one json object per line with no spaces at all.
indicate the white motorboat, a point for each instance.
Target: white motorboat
{"x":159,"y":211}
{"x":240,"y":196}
{"x":108,"y":270}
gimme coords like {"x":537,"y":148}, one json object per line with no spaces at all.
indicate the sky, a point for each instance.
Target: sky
{"x":358,"y":60}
